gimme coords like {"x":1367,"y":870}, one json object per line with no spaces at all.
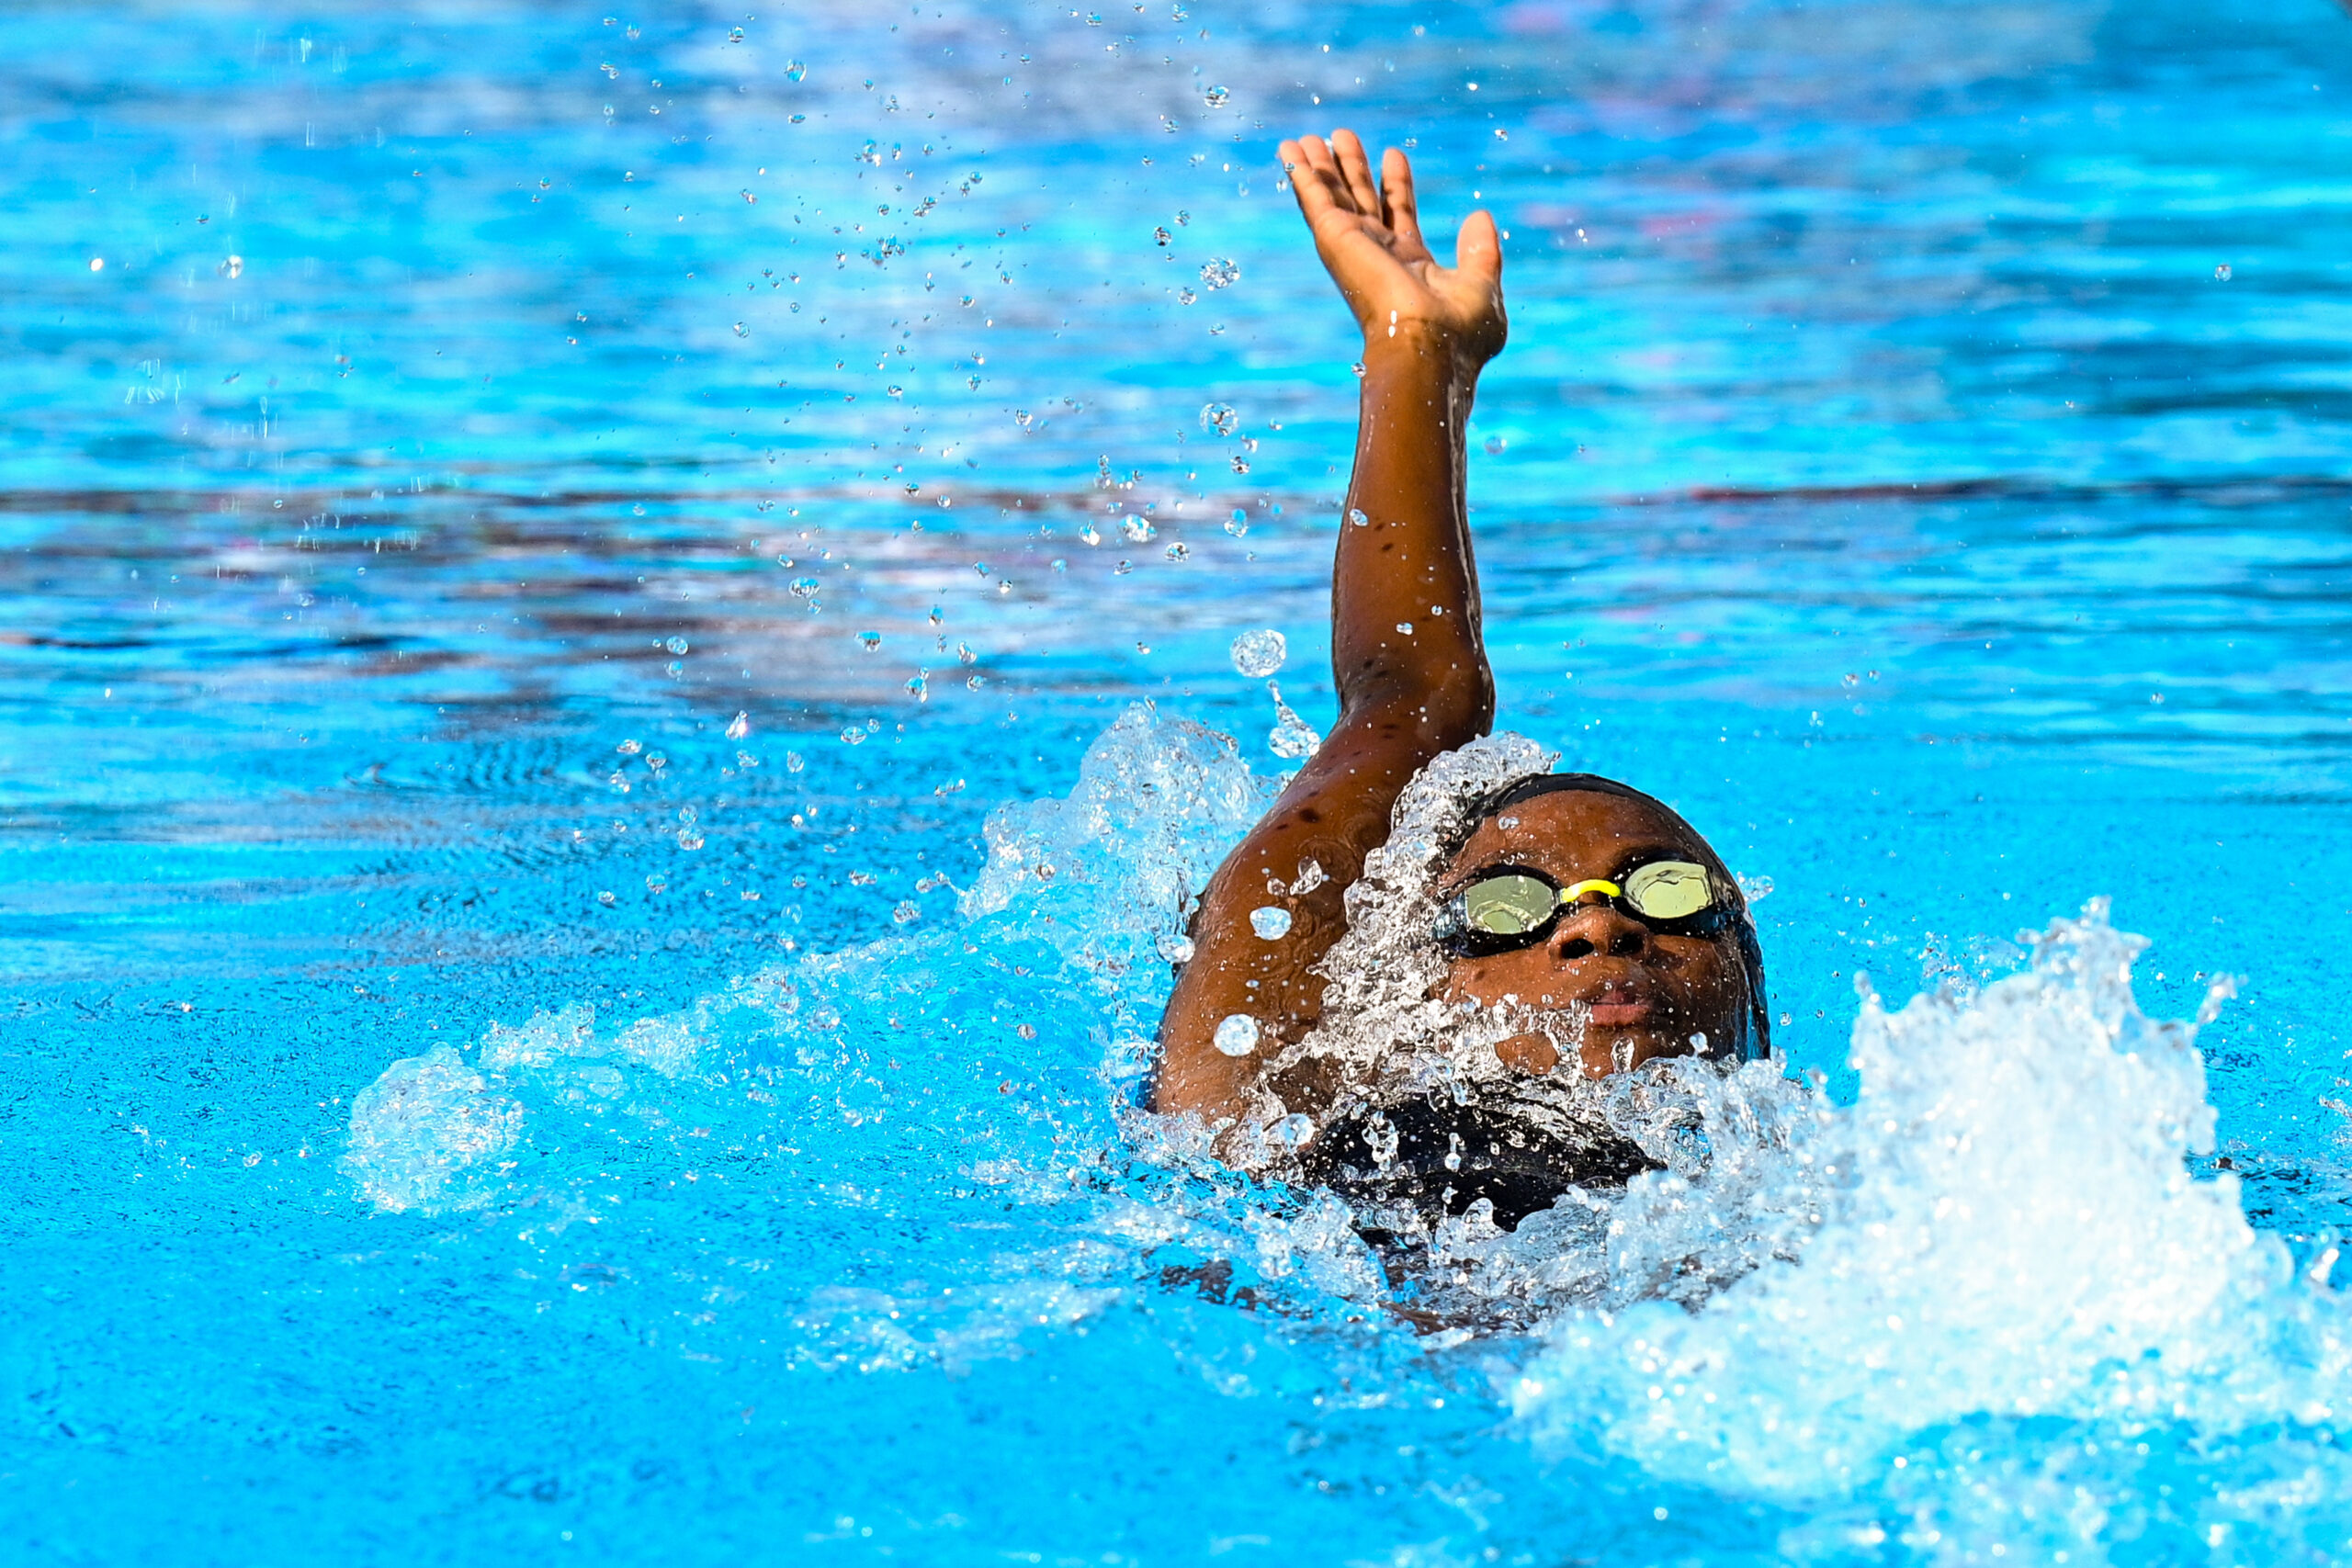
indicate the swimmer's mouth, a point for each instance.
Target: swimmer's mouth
{"x":1619,"y":1007}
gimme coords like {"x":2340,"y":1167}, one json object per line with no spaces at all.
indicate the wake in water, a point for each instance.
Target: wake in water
{"x":2001,"y":1225}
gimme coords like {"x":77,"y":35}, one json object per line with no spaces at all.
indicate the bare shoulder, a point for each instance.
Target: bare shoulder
{"x":1271,"y":913}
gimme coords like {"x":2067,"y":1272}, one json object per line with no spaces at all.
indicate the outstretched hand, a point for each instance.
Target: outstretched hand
{"x":1369,"y":237}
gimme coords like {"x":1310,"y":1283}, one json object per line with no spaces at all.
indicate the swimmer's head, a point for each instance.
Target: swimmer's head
{"x":1643,"y":963}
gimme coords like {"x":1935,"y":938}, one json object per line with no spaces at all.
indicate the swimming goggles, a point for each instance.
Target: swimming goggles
{"x":1511,"y":907}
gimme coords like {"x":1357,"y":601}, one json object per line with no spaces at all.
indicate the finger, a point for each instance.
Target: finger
{"x":1309,"y":187}
{"x":1356,"y":169}
{"x":1478,"y":249}
{"x":1323,"y":168}
{"x":1400,"y":209}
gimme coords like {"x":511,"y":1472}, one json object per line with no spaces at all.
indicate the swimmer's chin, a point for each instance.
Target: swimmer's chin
{"x":1620,"y":1048}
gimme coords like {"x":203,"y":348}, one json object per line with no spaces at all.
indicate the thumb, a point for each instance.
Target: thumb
{"x":1478,"y":249}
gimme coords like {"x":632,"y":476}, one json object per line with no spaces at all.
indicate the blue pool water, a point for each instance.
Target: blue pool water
{"x":433,"y":1131}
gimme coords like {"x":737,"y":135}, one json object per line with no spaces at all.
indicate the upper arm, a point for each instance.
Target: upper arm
{"x":1300,"y":859}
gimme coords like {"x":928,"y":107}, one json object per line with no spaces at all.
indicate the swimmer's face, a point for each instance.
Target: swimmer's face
{"x":1643,"y":993}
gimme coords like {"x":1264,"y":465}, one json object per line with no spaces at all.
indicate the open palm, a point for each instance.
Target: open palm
{"x":1369,"y":237}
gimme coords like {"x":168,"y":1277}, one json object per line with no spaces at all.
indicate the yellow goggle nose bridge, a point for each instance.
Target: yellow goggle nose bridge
{"x":1591,"y":884}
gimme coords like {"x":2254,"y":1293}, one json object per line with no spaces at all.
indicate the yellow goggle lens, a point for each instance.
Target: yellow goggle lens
{"x":1507,"y":906}
{"x":1670,"y":890}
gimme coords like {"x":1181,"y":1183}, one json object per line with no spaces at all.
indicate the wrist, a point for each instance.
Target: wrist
{"x":1418,"y":347}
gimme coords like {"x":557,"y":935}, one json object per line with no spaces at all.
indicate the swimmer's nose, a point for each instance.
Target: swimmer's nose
{"x":1595,"y":926}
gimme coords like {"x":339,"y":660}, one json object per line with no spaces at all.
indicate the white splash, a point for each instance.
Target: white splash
{"x":2001,"y":1223}
{"x":421,"y":1130}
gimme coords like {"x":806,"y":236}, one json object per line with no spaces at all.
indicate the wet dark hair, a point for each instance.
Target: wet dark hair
{"x":1757,"y":1044}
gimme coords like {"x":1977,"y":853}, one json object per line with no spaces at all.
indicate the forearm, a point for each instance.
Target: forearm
{"x":1404,"y":627}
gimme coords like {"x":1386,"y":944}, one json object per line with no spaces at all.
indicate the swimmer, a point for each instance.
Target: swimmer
{"x":1582,"y":906}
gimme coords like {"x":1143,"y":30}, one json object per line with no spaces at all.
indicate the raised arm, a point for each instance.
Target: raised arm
{"x":1405,"y":645}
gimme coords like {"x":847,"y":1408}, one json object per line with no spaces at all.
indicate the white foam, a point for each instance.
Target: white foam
{"x":2001,"y":1223}
{"x":422,"y":1131}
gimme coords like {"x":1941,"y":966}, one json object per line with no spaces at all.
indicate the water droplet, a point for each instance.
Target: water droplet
{"x":1405,"y":626}
{"x":805,"y":587}
{"x":630,"y":747}
{"x":1356,"y":516}
{"x":1238,"y":524}
{"x":1495,"y":444}
{"x":872,"y":641}
{"x":965,"y":655}
{"x":1294,"y":1130}
{"x":1216,"y":97}
{"x":1240,"y":464}
{"x":1183,"y":218}
{"x":853,"y":735}
{"x":1176,"y":949}
{"x":905,"y":913}
{"x":1218,"y":419}
{"x":1124,"y":567}
{"x":1137,"y":529}
{"x":656,"y":760}
{"x":1270,"y":921}
{"x":604,"y":899}
{"x":741,"y":727}
{"x":794,"y":761}
{"x":1291,"y":738}
{"x":656,"y":884}
{"x":676,"y":645}
{"x":920,"y":686}
{"x":1179,"y":551}
{"x":1185,"y":296}
{"x":797,"y":71}
{"x":1237,"y":1035}
{"x":1160,"y":236}
{"x":1219,"y":272}
{"x":2222,"y":273}
{"x":1088,"y":533}
{"x":1261,"y":653}
{"x":688,"y":839}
